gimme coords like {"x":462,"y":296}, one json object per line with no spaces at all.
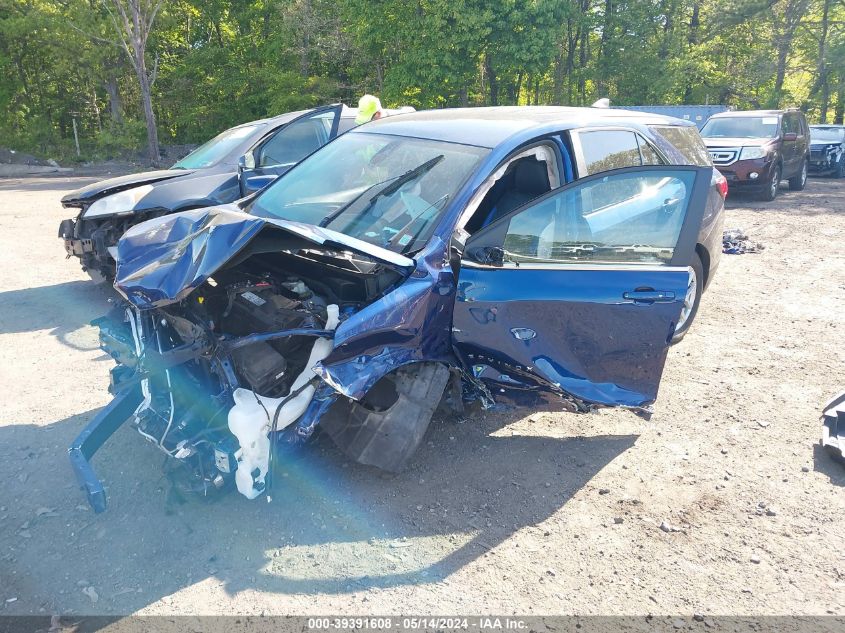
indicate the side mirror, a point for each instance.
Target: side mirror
{"x":247,"y":161}
{"x":790,"y":136}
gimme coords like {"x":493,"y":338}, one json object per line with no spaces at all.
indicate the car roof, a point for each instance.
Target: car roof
{"x":490,"y":126}
{"x":749,"y":113}
{"x":835,"y":126}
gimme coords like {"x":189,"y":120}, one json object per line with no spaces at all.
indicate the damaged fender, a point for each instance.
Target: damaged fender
{"x":409,"y":325}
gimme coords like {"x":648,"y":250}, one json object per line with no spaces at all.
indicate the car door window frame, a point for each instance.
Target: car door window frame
{"x":575,"y":142}
{"x":493,"y":235}
{"x":255,"y":150}
{"x":499,"y":171}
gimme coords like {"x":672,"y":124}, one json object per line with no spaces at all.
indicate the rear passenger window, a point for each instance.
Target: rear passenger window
{"x":686,"y":140}
{"x":604,"y":150}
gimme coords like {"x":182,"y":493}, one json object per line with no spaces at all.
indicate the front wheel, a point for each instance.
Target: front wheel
{"x":840,"y":168}
{"x":770,"y":192}
{"x":797,"y":183}
{"x":691,"y":299}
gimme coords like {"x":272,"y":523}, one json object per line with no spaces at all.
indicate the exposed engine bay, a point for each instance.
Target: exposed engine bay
{"x":230,"y":366}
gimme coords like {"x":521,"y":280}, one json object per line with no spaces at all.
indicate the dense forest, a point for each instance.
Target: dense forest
{"x":132,"y":73}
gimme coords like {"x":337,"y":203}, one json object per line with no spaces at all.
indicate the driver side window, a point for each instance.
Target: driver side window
{"x":633,"y":217}
{"x":294,"y":142}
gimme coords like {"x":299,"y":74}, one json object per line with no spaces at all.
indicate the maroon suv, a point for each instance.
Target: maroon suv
{"x":757,"y":149}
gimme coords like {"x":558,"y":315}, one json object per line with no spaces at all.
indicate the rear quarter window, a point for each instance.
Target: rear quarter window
{"x":687,"y":141}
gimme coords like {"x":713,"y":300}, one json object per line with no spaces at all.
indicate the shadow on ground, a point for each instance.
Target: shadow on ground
{"x":61,"y":308}
{"x":826,"y":463}
{"x":332,"y":527}
{"x":814,"y":199}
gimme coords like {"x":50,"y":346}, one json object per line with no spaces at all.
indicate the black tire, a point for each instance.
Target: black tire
{"x":840,"y":168}
{"x":770,"y":192}
{"x":684,"y":327}
{"x":385,"y":428}
{"x":799,"y":181}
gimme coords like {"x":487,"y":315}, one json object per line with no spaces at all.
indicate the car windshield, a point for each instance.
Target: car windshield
{"x":741,"y":127}
{"x":827,"y":134}
{"x":212,"y":152}
{"x":385,"y":190}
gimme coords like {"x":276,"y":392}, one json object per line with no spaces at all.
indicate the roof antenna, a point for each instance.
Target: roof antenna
{"x":604,"y":102}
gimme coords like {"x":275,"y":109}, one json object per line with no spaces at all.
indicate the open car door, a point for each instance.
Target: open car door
{"x":286,"y":146}
{"x":578,"y":292}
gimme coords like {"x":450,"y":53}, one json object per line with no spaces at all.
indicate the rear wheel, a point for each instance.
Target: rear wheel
{"x":771,"y":190}
{"x":840,"y":168}
{"x":691,"y":299}
{"x":797,"y":182}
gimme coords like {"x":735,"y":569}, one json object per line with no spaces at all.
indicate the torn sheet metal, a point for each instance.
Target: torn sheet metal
{"x":163,"y":260}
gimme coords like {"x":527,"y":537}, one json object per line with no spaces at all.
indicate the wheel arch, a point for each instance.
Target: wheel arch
{"x":704,"y":256}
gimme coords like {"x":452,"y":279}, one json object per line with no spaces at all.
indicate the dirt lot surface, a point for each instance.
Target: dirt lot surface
{"x":508,"y":512}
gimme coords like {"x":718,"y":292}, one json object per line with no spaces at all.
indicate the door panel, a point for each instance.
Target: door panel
{"x":587,"y":288}
{"x":288,"y":145}
{"x":790,"y":154}
{"x":532,"y":330}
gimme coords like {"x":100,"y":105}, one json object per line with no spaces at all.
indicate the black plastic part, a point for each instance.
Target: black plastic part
{"x":386,"y":430}
{"x":93,"y":436}
{"x":66,"y":229}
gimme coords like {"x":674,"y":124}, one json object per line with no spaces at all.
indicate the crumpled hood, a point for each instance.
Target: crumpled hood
{"x":736,"y":142}
{"x":113,"y":185}
{"x":161,"y":261}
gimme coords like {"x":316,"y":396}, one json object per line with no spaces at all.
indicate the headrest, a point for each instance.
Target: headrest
{"x":531,"y":176}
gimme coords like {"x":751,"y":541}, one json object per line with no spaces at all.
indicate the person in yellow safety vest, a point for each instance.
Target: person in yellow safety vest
{"x":369,"y":109}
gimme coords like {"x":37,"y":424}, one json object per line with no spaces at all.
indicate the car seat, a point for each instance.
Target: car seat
{"x":529,"y":179}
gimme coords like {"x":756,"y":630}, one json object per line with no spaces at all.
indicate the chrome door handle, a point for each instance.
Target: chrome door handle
{"x":649,"y":296}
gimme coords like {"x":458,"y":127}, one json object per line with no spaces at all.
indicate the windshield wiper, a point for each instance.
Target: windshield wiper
{"x":407,"y":177}
{"x":393,"y":187}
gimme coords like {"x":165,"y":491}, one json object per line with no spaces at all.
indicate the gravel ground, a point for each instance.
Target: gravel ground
{"x":506,"y":513}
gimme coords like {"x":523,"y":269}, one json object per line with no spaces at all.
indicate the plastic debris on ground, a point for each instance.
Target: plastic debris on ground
{"x":736,"y":242}
{"x":833,"y":430}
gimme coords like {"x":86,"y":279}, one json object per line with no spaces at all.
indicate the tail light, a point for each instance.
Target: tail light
{"x":722,"y":185}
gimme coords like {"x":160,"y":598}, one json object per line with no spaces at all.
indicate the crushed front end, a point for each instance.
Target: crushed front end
{"x":226,"y":320}
{"x":94,"y":240}
{"x":183,"y":370}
